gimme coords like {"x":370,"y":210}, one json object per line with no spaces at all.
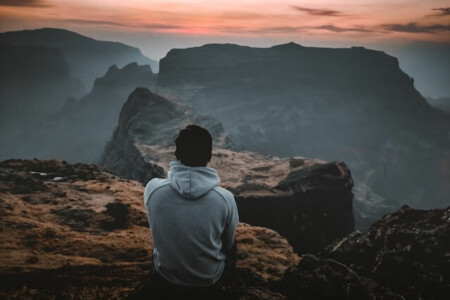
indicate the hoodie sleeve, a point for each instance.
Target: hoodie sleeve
{"x":232,"y":222}
{"x":151,"y":186}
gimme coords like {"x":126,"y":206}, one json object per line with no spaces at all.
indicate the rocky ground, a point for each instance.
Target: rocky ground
{"x":408,"y":251}
{"x":80,"y":232}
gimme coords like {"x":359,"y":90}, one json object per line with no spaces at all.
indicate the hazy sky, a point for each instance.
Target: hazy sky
{"x":155,"y":26}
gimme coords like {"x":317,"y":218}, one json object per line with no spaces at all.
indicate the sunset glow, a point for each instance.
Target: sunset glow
{"x":335,"y":20}
{"x":399,"y":27}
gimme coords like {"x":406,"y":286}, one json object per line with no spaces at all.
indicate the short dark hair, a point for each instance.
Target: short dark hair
{"x":193,"y":146}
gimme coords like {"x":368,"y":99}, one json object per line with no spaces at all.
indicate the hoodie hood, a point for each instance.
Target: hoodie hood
{"x":192,"y":182}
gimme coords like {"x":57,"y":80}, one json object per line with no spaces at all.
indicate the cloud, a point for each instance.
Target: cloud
{"x":343,"y":29}
{"x":294,"y":29}
{"x":155,"y":26}
{"x":24,"y":3}
{"x":319,"y":12}
{"x":279,"y":29}
{"x":442,"y":11}
{"x":417,"y":28}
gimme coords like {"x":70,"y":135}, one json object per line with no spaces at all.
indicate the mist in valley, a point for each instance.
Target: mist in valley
{"x":352,"y":104}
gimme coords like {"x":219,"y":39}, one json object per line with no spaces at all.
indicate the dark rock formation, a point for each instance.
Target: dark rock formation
{"x":307,"y":201}
{"x":319,"y":278}
{"x":407,"y":251}
{"x":316,"y":211}
{"x":131,"y":74}
{"x":81,"y":129}
{"x":243,"y":285}
{"x":354,"y":105}
{"x":87,"y":57}
{"x":147,"y":118}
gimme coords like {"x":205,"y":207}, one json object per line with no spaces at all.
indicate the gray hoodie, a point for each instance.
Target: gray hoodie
{"x":192,"y":220}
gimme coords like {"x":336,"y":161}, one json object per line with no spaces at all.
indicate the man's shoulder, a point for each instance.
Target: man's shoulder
{"x":156,"y":183}
{"x":224,"y":193}
{"x":152,"y":186}
{"x":229,"y":201}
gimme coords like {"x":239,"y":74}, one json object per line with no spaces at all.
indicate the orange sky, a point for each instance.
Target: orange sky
{"x":415,"y":31}
{"x":319,"y":20}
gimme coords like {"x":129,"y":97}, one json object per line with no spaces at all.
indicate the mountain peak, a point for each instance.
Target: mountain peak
{"x":41,"y":35}
{"x":290,"y":45}
{"x":97,"y":55}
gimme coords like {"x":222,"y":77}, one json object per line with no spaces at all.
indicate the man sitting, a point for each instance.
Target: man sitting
{"x":193,"y":220}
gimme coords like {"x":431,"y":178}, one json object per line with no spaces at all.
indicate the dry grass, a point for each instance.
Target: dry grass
{"x":57,"y":248}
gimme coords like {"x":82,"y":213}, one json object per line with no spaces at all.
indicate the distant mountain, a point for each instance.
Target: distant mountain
{"x":45,"y":69}
{"x":80,"y":130}
{"x":354,"y":105}
{"x":440,"y":103}
{"x":88,"y":58}
{"x":34,"y":83}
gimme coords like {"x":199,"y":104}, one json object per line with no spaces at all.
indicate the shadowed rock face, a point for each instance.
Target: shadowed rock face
{"x":308,"y":201}
{"x":317,"y":209}
{"x":319,"y":278}
{"x":407,"y":251}
{"x":353,"y":104}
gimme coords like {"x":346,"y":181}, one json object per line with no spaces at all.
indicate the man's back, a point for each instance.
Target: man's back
{"x":192,"y":221}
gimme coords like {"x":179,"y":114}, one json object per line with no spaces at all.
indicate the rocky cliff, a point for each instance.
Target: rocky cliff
{"x":80,"y":232}
{"x":352,"y":104}
{"x":307,"y":201}
{"x":80,"y":130}
{"x":407,"y":251}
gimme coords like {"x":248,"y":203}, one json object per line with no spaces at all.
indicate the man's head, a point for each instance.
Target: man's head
{"x":194,"y":146}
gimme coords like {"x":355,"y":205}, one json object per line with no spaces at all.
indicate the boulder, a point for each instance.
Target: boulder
{"x":407,"y":251}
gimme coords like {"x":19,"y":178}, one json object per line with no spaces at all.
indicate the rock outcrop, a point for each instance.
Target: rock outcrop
{"x":319,"y":278}
{"x":81,"y":129}
{"x":308,"y":201}
{"x":407,"y":251}
{"x":78,"y":231}
{"x":354,"y":105}
{"x":146,"y":120}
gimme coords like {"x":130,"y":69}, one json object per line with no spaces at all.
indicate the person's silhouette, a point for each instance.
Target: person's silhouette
{"x":193,"y":220}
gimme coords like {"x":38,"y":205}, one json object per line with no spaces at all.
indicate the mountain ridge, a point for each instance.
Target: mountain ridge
{"x":86,"y":56}
{"x":351,"y":104}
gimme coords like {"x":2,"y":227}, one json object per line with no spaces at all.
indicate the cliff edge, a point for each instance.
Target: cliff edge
{"x":306,"y":200}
